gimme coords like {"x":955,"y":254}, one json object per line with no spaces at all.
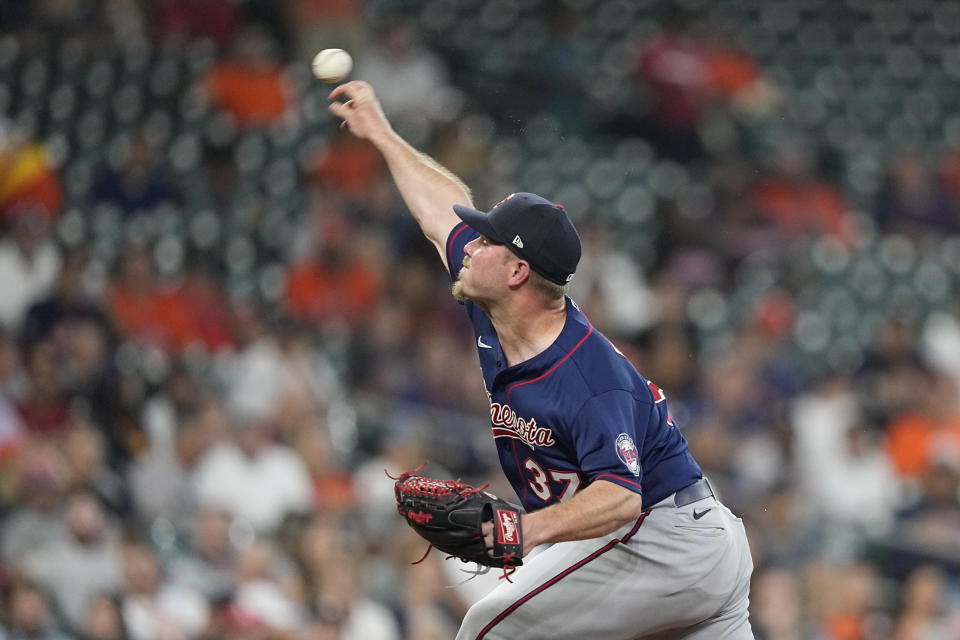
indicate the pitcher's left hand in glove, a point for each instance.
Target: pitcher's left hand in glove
{"x":449,"y":514}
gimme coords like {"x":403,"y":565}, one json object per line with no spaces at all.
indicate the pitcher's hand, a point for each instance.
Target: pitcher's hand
{"x":361,"y":112}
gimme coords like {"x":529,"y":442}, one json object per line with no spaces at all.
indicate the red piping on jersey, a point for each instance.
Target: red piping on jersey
{"x":552,"y":581}
{"x":610,"y":475}
{"x":554,"y":367}
{"x":450,"y":243}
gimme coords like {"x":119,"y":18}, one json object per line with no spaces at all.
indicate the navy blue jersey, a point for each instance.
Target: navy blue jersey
{"x":575,"y":413}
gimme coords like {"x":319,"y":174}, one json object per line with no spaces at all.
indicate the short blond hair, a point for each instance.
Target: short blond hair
{"x":549,"y":290}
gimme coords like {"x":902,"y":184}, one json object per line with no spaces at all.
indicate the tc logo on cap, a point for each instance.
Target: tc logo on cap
{"x":517,"y":241}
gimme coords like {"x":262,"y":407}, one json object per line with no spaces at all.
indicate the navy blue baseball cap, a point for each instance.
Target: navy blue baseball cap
{"x":535,"y":229}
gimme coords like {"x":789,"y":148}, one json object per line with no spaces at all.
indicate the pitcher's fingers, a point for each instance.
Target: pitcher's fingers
{"x":349,"y":89}
{"x":339,"y":90}
{"x":338,"y":109}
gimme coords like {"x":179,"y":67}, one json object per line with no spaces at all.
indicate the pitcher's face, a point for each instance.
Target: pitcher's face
{"x":485,"y":271}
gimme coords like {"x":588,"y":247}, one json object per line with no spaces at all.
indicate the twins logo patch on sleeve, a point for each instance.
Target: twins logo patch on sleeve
{"x":508,"y":526}
{"x":628,"y":454}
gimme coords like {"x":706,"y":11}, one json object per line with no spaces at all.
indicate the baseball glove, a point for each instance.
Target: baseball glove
{"x":448,"y":514}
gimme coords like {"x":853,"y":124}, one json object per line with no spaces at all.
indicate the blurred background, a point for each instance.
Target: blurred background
{"x":219,"y":326}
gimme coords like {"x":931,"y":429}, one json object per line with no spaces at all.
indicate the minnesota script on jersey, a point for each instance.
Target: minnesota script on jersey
{"x":575,"y":413}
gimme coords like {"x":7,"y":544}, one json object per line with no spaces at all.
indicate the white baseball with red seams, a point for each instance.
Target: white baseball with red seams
{"x":332,"y":65}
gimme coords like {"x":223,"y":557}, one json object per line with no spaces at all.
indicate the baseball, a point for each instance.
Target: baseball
{"x":332,"y":65}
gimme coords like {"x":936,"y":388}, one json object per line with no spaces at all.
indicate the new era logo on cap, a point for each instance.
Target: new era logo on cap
{"x":541,"y":231}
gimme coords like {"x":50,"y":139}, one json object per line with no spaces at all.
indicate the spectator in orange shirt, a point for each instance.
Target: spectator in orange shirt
{"x":145,"y":311}
{"x":349,"y":165}
{"x":929,"y":433}
{"x":737,"y":78}
{"x":796,"y":200}
{"x":202,"y":299}
{"x":338,"y":280}
{"x":250,"y":83}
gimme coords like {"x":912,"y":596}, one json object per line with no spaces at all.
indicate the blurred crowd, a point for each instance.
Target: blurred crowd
{"x":185,"y":456}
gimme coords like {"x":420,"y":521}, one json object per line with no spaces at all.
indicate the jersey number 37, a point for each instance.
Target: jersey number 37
{"x":568,"y":481}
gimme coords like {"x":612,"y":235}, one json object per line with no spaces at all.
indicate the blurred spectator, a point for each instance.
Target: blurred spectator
{"x":37,"y":521}
{"x":139,"y":305}
{"x":217,"y":20}
{"x":103,"y":620}
{"x":432,"y":609}
{"x":846,"y":597}
{"x":44,"y":407}
{"x":736,"y":77}
{"x":892,"y":370}
{"x":81,"y":564}
{"x":742,"y":229}
{"x":264,"y":593}
{"x":277,"y":375}
{"x":730,"y":408}
{"x":412,"y":82}
{"x":846,"y":480}
{"x":208,"y":567}
{"x":28,"y":180}
{"x":250,"y":83}
{"x":779,"y":534}
{"x":912,"y":201}
{"x":84,"y":455}
{"x":340,"y":281}
{"x":929,"y":432}
{"x":134,"y":182}
{"x":68,"y":301}
{"x":332,"y":483}
{"x":217,"y":187}
{"x":309,"y":384}
{"x":611,"y":286}
{"x":31,"y":617}
{"x":160,"y":478}
{"x":252,"y":379}
{"x":12,"y":429}
{"x":200,"y":295}
{"x":252,"y":478}
{"x":776,"y":604}
{"x":923,"y":610}
{"x":275,"y":20}
{"x":84,"y":351}
{"x":29,"y":263}
{"x":153,"y":608}
{"x":347,"y":166}
{"x":182,"y":396}
{"x":940,"y":342}
{"x":927,"y":528}
{"x":340,"y":590}
{"x":321,"y":541}
{"x":673,"y":69}
{"x":797,"y":200}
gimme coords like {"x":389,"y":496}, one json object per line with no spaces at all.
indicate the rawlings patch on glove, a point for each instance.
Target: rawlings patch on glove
{"x":449,"y":514}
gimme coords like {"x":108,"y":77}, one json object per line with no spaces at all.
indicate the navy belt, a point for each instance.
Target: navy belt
{"x":693,"y":492}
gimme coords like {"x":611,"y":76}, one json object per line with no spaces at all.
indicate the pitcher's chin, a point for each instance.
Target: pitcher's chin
{"x":457,"y":290}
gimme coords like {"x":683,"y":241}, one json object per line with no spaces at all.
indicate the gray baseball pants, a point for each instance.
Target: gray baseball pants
{"x":667,"y":576}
